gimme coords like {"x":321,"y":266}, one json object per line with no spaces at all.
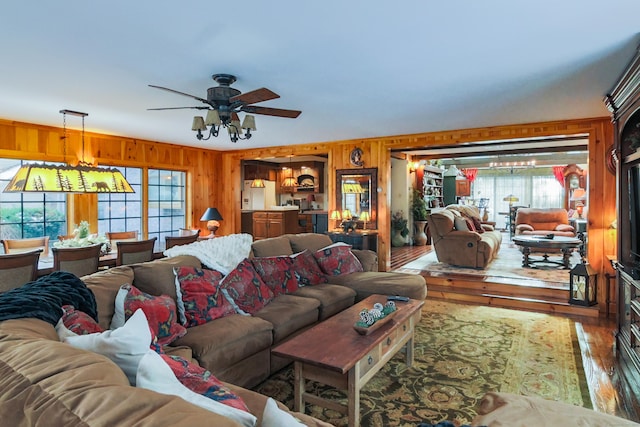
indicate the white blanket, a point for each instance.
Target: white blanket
{"x":222,"y":253}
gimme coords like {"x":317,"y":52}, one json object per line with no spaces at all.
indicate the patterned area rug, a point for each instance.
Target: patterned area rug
{"x":508,"y":263}
{"x":461,"y":352}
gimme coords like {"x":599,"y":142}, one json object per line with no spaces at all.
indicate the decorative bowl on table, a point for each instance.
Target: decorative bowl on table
{"x":372,"y":319}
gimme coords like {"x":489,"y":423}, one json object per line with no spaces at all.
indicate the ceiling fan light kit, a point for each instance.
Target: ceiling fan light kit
{"x":223,"y":105}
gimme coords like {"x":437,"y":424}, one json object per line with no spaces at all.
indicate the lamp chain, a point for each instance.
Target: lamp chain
{"x":64,"y":137}
{"x":83,"y":162}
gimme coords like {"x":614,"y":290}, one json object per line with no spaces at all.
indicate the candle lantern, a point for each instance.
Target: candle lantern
{"x":583,"y":285}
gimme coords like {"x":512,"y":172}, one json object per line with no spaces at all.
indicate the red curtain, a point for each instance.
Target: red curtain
{"x":470,"y":174}
{"x":558,"y":172}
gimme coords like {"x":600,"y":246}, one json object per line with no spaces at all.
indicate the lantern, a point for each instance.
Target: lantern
{"x":583,"y":289}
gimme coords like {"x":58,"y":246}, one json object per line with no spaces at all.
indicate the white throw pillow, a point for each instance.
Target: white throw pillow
{"x":118,"y":318}
{"x":460,"y":224}
{"x":125,"y":346}
{"x":154,"y":374}
{"x":276,"y":417}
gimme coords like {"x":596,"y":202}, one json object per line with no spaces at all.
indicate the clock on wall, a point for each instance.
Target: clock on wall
{"x":356,"y":157}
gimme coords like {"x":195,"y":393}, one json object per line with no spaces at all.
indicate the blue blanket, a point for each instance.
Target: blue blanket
{"x":44,"y":298}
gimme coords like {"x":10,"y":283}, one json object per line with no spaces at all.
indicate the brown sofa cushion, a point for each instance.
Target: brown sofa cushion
{"x":46,"y":382}
{"x":333,"y":298}
{"x":288,"y":314}
{"x":311,"y":241}
{"x":157,"y":278}
{"x":274,"y":246}
{"x":221,"y":343}
{"x":105,"y":286}
{"x":368,"y":283}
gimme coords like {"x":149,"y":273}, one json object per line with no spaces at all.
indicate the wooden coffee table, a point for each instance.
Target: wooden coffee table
{"x":333,"y":353}
{"x":538,"y":243}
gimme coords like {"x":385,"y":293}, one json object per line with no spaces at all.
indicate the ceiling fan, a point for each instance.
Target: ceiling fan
{"x":224,"y":103}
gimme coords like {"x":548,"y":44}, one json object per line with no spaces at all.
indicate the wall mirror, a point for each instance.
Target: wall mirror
{"x":356,"y":191}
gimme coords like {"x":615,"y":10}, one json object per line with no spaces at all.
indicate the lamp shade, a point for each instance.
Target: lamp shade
{"x":511,"y":199}
{"x":579,"y":194}
{"x":346,"y":214}
{"x":290,"y":182}
{"x":68,"y":179}
{"x":335,"y":215}
{"x":258,"y":183}
{"x":211,"y":214}
{"x":198,"y":123}
{"x":364,"y":216}
{"x":249,"y":122}
{"x":213,"y":118}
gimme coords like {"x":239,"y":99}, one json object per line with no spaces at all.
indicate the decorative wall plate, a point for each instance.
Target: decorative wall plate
{"x":356,"y":157}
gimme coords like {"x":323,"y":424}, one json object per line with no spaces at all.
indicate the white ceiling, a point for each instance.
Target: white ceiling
{"x":356,"y":69}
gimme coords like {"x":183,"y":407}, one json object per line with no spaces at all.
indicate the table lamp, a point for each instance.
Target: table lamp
{"x":335,"y":215}
{"x":364,"y":216}
{"x":212,"y":216}
{"x":511,"y":199}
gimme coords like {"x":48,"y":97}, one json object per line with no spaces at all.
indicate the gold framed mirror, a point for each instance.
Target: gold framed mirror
{"x":356,"y":191}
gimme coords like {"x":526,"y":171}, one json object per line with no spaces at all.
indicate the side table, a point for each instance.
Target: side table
{"x":357,"y":239}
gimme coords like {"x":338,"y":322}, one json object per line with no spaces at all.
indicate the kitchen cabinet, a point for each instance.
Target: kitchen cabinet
{"x":463,"y":188}
{"x":308,"y":176}
{"x":274,"y":223}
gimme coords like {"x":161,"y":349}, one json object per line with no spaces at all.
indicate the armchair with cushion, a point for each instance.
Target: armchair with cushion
{"x":455,"y":244}
{"x":540,"y":222}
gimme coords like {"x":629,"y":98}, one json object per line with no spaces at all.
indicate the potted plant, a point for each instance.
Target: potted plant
{"x":399,"y":229}
{"x":419,"y":210}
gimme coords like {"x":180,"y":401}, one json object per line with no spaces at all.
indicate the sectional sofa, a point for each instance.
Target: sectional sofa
{"x":47,"y":382}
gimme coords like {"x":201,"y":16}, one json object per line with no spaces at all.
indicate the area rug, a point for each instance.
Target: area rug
{"x":508,"y":263}
{"x":461,"y":352}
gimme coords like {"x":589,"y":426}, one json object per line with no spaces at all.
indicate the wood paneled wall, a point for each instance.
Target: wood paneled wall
{"x":29,"y":141}
{"x":215,"y":178}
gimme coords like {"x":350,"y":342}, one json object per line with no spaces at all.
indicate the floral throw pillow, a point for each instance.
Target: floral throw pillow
{"x":203,"y":382}
{"x":247,"y":290}
{"x":79,"y":322}
{"x":307,"y":270}
{"x":160,"y":311}
{"x":201,"y":295}
{"x":277,"y":273}
{"x":337,"y":259}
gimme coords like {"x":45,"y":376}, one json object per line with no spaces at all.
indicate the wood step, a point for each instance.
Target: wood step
{"x":519,"y":294}
{"x":518,"y":303}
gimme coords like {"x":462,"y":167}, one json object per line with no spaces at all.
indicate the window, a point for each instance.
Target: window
{"x":166,"y":212}
{"x":26,"y":215}
{"x":122,"y":211}
{"x":535,"y":187}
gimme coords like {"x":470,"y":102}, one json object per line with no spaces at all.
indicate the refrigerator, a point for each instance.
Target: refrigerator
{"x":254,"y":199}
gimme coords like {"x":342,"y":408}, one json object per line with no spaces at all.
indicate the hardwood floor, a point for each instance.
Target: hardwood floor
{"x":609,"y":392}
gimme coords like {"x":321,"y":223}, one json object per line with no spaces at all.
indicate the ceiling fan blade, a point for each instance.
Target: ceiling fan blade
{"x":278,"y":112}
{"x":180,"y":93}
{"x":254,"y":96}
{"x":179,"y":108}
